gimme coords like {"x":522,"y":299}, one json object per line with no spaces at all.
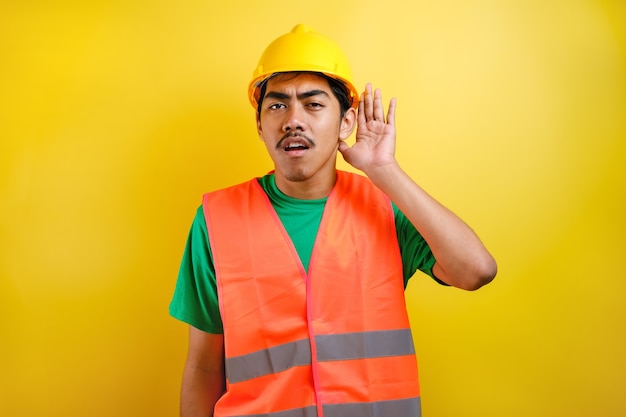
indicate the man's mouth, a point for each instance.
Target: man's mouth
{"x":295,"y":147}
{"x":295,"y":143}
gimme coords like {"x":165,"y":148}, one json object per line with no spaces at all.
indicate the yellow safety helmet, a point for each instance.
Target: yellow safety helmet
{"x":302,"y":49}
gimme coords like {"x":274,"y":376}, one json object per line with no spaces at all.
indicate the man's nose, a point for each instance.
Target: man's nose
{"x":294,"y":119}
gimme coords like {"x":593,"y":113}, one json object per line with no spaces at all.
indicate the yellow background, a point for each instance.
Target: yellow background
{"x":115,"y":116}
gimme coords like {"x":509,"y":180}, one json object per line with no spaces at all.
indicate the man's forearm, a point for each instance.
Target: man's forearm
{"x":462,"y":259}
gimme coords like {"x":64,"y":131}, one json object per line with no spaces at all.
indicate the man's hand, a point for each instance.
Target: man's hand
{"x":375,"y":137}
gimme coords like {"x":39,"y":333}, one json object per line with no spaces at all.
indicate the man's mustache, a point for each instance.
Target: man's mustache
{"x":296,"y":134}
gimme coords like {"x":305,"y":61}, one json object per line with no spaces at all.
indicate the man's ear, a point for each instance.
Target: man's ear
{"x":348,"y":123}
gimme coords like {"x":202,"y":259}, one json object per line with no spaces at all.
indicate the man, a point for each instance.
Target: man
{"x":293,"y":283}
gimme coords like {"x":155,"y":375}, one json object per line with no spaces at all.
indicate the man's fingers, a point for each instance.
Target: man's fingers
{"x":367,"y":102}
{"x":361,"y":113}
{"x":371,"y":107}
{"x":378,"y":112}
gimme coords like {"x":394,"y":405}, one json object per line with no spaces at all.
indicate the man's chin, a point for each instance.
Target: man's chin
{"x":298,"y":176}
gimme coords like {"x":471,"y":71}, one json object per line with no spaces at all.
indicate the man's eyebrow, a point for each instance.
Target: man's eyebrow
{"x":276,"y":95}
{"x":312,"y":93}
{"x":283,"y":96}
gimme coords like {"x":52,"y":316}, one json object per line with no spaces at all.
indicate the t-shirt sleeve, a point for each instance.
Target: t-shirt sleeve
{"x":415,"y":252}
{"x":195,"y":299}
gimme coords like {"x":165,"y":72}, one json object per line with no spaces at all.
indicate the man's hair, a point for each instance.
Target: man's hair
{"x":339,"y":89}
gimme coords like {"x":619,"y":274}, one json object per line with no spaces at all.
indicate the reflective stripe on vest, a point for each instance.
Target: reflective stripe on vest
{"x":334,"y":342}
{"x":395,"y":408}
{"x":329,"y":348}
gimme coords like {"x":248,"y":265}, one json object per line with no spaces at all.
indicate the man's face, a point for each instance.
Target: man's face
{"x":301,"y":126}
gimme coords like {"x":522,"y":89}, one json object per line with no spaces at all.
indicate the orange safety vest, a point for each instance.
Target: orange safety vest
{"x":335,"y":342}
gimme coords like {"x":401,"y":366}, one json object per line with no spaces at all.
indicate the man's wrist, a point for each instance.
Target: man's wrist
{"x":384,"y":174}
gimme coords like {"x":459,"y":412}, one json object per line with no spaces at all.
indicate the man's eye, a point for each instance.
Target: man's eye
{"x":315,"y":105}
{"x":276,"y":106}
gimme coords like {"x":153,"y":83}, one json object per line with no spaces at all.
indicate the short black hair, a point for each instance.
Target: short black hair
{"x":338,"y":87}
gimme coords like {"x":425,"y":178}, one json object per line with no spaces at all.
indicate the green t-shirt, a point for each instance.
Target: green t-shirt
{"x":195,"y":299}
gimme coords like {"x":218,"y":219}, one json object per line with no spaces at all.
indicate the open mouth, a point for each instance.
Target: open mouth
{"x":295,"y":147}
{"x":295,"y":144}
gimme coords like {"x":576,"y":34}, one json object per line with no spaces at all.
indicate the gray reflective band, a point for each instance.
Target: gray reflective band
{"x":334,"y":347}
{"x":268,"y":361}
{"x":296,"y":412}
{"x":410,"y":407}
{"x":364,"y":345}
